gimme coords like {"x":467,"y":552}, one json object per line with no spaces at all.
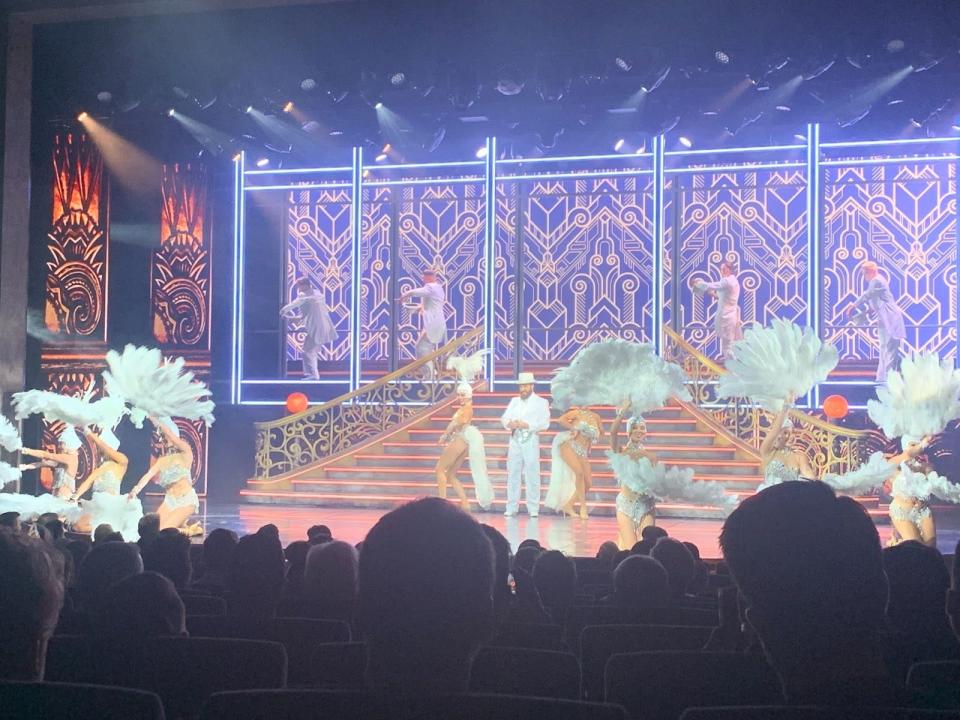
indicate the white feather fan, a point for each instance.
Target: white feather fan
{"x":156,"y":387}
{"x":467,"y":367}
{"x":611,"y":371}
{"x":923,"y":486}
{"x":8,"y":473}
{"x":869,"y":476}
{"x":772,"y":363}
{"x":9,"y":435}
{"x":919,"y":400}
{"x":74,"y":411}
{"x":665,"y":484}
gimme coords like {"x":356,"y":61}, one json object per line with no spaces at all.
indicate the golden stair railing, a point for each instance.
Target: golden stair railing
{"x":328,"y":431}
{"x":831,"y":448}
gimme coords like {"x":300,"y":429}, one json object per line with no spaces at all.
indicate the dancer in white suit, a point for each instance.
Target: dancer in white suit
{"x":877,"y":305}
{"x":526,"y":417}
{"x":316,"y":323}
{"x":728,"y":325}
{"x":434,"y":322}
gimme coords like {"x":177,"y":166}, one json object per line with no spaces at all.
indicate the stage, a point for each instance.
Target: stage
{"x":571,"y":536}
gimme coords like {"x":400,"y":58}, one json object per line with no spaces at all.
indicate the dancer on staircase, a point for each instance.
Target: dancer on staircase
{"x":433,"y":319}
{"x":461,"y":440}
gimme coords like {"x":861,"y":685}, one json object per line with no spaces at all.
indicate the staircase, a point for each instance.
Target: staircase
{"x":400,"y":467}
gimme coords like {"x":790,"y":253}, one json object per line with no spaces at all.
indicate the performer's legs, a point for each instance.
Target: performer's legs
{"x":648,"y":520}
{"x":586,"y":473}
{"x":514,"y":469}
{"x":174,"y":517}
{"x":310,"y":352}
{"x":531,"y":474}
{"x":447,"y":460}
{"x":928,"y":531}
{"x":453,"y":475}
{"x":627,"y":531}
{"x":570,"y":457}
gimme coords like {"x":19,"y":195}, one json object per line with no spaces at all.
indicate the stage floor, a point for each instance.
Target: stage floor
{"x":571,"y":536}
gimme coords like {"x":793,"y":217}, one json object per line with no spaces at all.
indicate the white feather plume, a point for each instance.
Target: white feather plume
{"x":922,"y":486}
{"x":8,"y":473}
{"x":156,"y":387}
{"x":869,"y":476}
{"x":467,"y":367}
{"x":665,"y":484}
{"x":919,"y":400}
{"x":30,"y":507}
{"x":772,"y":363}
{"x":73,"y":411}
{"x":611,"y":371}
{"x":9,"y":435}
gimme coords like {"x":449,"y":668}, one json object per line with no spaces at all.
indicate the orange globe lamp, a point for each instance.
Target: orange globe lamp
{"x":836,"y":407}
{"x":297,"y":402}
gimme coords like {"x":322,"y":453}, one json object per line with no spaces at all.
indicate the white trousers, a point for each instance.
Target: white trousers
{"x":890,"y":356}
{"x":523,"y":458}
{"x":311,"y":353}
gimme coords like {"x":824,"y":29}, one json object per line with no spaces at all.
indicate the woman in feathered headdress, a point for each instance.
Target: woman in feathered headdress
{"x":635,"y":511}
{"x":462,"y":440}
{"x":173,"y":473}
{"x":780,"y":458}
{"x":570,"y":472}
{"x":911,"y":488}
{"x":64,"y":462}
{"x":107,"y":505}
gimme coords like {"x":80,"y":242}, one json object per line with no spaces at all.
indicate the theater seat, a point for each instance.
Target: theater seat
{"x":530,"y":635}
{"x":359,"y":705}
{"x":530,"y":673}
{"x":338,"y":665}
{"x":66,"y":701}
{"x":772,"y":712}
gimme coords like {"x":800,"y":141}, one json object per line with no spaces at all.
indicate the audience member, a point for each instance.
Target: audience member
{"x":530,"y":542}
{"x":169,"y":555}
{"x":31,"y":595}
{"x":102,"y":533}
{"x":104,"y":565}
{"x":55,"y":529}
{"x":653,"y":533}
{"x":319,"y":534}
{"x":78,"y":549}
{"x":809,"y":567}
{"x":218,"y":549}
{"x":142,"y":606}
{"x":10,"y":520}
{"x":148,"y":528}
{"x":643,"y":547}
{"x":641,"y":582}
{"x":330,"y":582}
{"x":296,"y":557}
{"x":607,"y":552}
{"x":679,"y":564}
{"x":256,"y":577}
{"x":426,"y":596}
{"x":518,"y":602}
{"x":526,"y":557}
{"x":953,"y":596}
{"x":556,"y":578}
{"x":916,"y":607}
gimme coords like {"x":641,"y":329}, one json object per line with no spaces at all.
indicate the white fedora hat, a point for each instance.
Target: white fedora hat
{"x":526,"y":378}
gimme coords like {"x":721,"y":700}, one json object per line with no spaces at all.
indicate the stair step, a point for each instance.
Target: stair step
{"x":484,"y":423}
{"x":377,"y":473}
{"x":661,"y":450}
{"x":498,"y":434}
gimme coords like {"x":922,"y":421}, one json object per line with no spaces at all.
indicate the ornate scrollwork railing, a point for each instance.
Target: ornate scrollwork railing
{"x":336,"y":427}
{"x":830,"y":447}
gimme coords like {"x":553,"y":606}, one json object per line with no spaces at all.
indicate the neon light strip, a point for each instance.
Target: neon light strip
{"x":576,"y":175}
{"x":569,"y":158}
{"x":894,"y":141}
{"x":721,"y":151}
{"x":890,"y":161}
{"x":407,"y":166}
{"x":241,"y":264}
{"x":293,"y":382}
{"x":728,"y":168}
{"x":489,"y":237}
{"x":425,"y":181}
{"x":292,"y":171}
{"x":237,"y":221}
{"x":356,"y":236}
{"x":302,"y":186}
{"x":813,"y":227}
{"x":658,"y":242}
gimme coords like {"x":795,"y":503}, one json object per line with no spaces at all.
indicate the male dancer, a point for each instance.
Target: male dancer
{"x":729,"y":328}
{"x":316,"y":322}
{"x":877,"y":300}
{"x":434,"y":331}
{"x":525,"y":417}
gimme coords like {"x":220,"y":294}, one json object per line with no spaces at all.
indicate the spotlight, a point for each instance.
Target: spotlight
{"x":623,"y":64}
{"x":236,"y":157}
{"x":895,"y":101}
{"x":481,"y":152}
{"x":308,"y":84}
{"x":955,"y":127}
{"x":263,"y":162}
{"x":386,"y":148}
{"x":640,"y":150}
{"x":382,"y":157}
{"x":618,"y":145}
{"x":104,"y":96}
{"x":310,"y":126}
{"x":721,"y":57}
{"x":783,"y":108}
{"x":915,"y":123}
{"x":83,"y":116}
{"x":510,"y":81}
{"x":686,"y":142}
{"x":288,"y":107}
{"x":249,"y":109}
{"x":378,"y":105}
{"x":397,"y":79}
{"x":895,"y":45}
{"x":171,"y":112}
{"x":799,"y":137}
{"x":180,"y":92}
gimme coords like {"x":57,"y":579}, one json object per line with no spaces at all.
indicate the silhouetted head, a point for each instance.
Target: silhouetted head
{"x":318,"y":534}
{"x":256,"y":576}
{"x":330,"y":580}
{"x":607,"y":552}
{"x":641,"y":582}
{"x":678,"y":562}
{"x":10,"y":520}
{"x":555,"y":576}
{"x":169,"y":555}
{"x":918,"y":582}
{"x":148,"y":528}
{"x":218,"y":549}
{"x":143,"y":606}
{"x":104,"y":565}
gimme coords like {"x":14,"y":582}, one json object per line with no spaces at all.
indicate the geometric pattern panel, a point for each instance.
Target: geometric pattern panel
{"x":319,"y":248}
{"x":505,"y":271}
{"x":587,"y":264}
{"x":756,"y":219}
{"x":903,"y":217}
{"x":376,"y":272}
{"x":180,"y":271}
{"x":77,"y":266}
{"x":441,"y":227}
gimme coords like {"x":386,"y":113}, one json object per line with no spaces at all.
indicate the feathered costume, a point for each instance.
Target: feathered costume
{"x":912,"y":491}
{"x":117,"y":511}
{"x":73,"y":411}
{"x":9,"y":435}
{"x":467,"y":369}
{"x":156,"y":387}
{"x":611,"y":371}
{"x":773,"y":363}
{"x":919,"y":400}
{"x":31,"y":507}
{"x":866,"y":478}
{"x":653,"y":483}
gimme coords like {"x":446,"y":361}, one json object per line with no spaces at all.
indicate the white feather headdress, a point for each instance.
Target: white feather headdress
{"x":156,"y":387}
{"x":665,"y":484}
{"x":772,"y":363}
{"x":611,"y":371}
{"x":869,"y":476}
{"x":9,"y":435}
{"x":922,"y":486}
{"x":919,"y":400}
{"x":75,"y":411}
